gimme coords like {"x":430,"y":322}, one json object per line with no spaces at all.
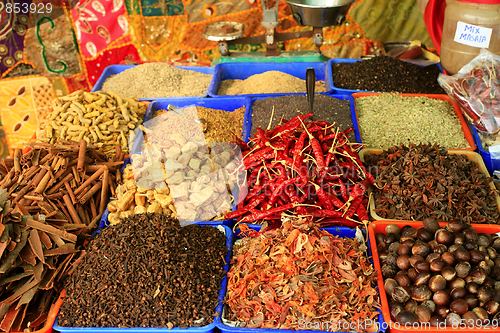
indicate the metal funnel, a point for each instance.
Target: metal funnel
{"x":319,"y":13}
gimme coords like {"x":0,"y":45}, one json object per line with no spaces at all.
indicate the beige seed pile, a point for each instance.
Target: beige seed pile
{"x":157,"y":79}
{"x":272,"y":82}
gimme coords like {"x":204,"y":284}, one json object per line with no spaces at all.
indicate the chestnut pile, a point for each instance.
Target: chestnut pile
{"x":433,"y":274}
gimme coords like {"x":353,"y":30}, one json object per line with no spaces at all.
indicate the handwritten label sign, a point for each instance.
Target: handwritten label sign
{"x":473,"y":35}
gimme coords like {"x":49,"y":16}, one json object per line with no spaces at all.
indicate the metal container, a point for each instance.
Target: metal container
{"x":319,"y":13}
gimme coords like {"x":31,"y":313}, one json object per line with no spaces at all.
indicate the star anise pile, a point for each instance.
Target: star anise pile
{"x":418,"y":181}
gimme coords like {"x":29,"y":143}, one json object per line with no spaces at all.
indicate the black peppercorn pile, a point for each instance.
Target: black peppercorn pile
{"x":147,"y":272}
{"x":386,"y":74}
{"x":418,"y":181}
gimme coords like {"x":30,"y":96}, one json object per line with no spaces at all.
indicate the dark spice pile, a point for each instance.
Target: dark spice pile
{"x":440,"y":275}
{"x":147,"y":272}
{"x":326,"y":108}
{"x":414,"y":182}
{"x":387,"y":74}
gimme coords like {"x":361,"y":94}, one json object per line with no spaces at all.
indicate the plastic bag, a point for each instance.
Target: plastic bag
{"x":476,"y":89}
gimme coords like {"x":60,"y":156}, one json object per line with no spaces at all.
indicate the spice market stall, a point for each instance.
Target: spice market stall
{"x":126,"y":201}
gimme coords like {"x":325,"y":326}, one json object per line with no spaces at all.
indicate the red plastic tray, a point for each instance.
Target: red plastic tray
{"x":465,"y":128}
{"x":379,"y":226}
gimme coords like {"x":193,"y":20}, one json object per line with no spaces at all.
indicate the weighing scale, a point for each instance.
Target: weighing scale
{"x":314,"y":13}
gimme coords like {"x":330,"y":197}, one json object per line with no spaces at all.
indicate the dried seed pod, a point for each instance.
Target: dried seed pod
{"x":458,"y":239}
{"x":395,"y":308}
{"x":424,"y":235}
{"x":477,"y":275}
{"x":402,"y":279}
{"x":449,"y":273}
{"x":403,"y":262}
{"x":391,"y":238}
{"x":459,"y":306}
{"x":431,"y":224}
{"x":432,"y":256}
{"x":412,"y":274}
{"x":456,"y":226}
{"x":443,"y":236}
{"x":406,"y":317}
{"x":462,"y":254}
{"x":391,"y":258}
{"x":392,"y":229}
{"x":411,"y":305}
{"x":481,"y":314}
{"x":422,"y":278}
{"x":414,"y":258}
{"x":476,"y":257}
{"x":492,"y":253}
{"x":437,"y":265}
{"x":441,"y":297}
{"x":441,"y":248}
{"x":442,"y":310}
{"x":484,"y":239}
{"x":437,"y":321}
{"x":408,"y":230}
{"x":405,"y":238}
{"x":421,"y":293}
{"x":380,"y":238}
{"x":492,"y":307}
{"x":472,"y":301}
{"x":458,"y":292}
{"x":469,"y":246}
{"x":469,"y":319}
{"x":484,"y":265}
{"x":472,"y":287}
{"x":433,"y":244}
{"x":437,"y":282}
{"x":422,"y":266}
{"x":485,"y":294}
{"x":393,"y":247}
{"x":423,"y":313}
{"x":389,"y":285}
{"x":421,"y":249}
{"x":489,"y":282}
{"x":470,"y":234}
{"x":453,"y":320}
{"x":404,"y":250}
{"x":430,"y":305}
{"x":496,"y":243}
{"x":448,"y":258}
{"x":400,"y":294}
{"x":462,"y":269}
{"x":453,"y":248}
{"x":457,"y":283}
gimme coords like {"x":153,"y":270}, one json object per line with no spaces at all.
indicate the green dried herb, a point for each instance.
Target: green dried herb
{"x":387,"y":120}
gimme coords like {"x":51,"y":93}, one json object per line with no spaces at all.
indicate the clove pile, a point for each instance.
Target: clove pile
{"x":147,"y":271}
{"x":51,"y":199}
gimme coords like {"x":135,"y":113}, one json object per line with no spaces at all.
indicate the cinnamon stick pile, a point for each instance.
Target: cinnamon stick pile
{"x":51,"y":199}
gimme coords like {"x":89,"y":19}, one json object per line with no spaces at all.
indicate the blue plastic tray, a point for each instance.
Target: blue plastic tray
{"x":492,"y":164}
{"x":116,"y":69}
{"x":336,"y":90}
{"x":343,"y":97}
{"x":242,"y":71}
{"x":204,"y":329}
{"x":217,"y":104}
{"x":338,"y":231}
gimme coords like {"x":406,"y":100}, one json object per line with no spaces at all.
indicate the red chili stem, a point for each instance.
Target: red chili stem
{"x":266,"y":213}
